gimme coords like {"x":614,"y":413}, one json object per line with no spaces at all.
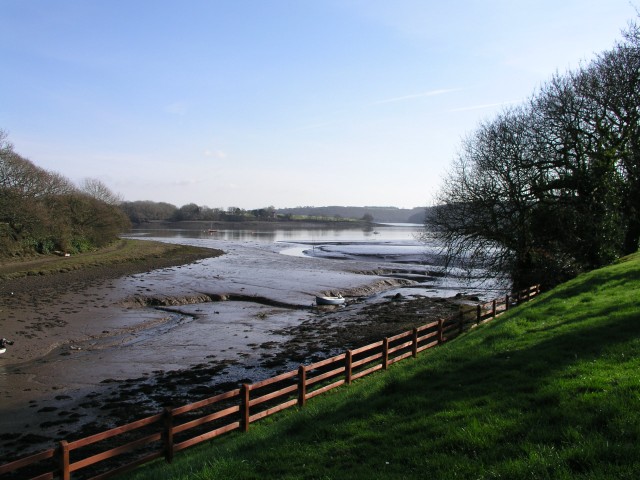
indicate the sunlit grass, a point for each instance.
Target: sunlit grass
{"x":549,"y":390}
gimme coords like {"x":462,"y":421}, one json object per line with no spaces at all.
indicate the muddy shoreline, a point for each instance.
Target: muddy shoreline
{"x":119,"y":401}
{"x":88,"y":318}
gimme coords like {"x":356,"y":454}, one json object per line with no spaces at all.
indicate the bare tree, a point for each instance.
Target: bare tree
{"x":551,"y":188}
{"x":98,"y":190}
{"x":486,"y":203}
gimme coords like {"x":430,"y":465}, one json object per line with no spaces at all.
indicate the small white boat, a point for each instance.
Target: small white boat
{"x":320,"y":300}
{"x":3,"y":344}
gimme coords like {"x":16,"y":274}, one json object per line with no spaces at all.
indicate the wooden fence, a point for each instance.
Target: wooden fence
{"x":176,"y":429}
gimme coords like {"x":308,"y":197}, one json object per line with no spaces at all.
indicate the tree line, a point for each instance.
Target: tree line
{"x":148,"y":211}
{"x":44,"y":212}
{"x":143,"y":211}
{"x":550,"y":188}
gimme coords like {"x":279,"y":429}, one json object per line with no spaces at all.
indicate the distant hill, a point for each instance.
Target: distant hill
{"x":379,"y":214}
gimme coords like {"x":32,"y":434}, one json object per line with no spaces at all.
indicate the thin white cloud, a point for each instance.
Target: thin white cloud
{"x":480,"y":107}
{"x":215,"y":154}
{"x":431,"y":93}
{"x":187,"y":182}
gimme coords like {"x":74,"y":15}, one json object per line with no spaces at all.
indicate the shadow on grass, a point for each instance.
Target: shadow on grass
{"x":613,"y":277}
{"x":496,"y":409}
{"x":492,"y":404}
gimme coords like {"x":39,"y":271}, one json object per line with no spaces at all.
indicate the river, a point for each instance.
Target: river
{"x":85,"y":350}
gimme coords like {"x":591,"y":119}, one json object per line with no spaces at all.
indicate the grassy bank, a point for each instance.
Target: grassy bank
{"x":551,"y":390}
{"x":127,"y":253}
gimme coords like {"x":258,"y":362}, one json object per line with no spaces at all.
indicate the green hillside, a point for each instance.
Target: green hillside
{"x":550,"y":390}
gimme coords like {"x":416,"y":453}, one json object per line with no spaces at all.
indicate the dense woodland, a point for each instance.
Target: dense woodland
{"x":43,"y":212}
{"x":551,"y":188}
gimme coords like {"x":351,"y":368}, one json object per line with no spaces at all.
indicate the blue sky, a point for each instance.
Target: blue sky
{"x":251,"y":103}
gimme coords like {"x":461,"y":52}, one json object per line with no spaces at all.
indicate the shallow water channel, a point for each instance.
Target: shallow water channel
{"x":229,"y":316}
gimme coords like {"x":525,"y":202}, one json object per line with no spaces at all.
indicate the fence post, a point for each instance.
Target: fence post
{"x":385,"y":353}
{"x":478,"y":314}
{"x":64,"y":460}
{"x":506,"y":302}
{"x":414,"y":343}
{"x":493,"y":309}
{"x":440,"y":331}
{"x":347,"y":367}
{"x":167,"y":434}
{"x":302,"y":386}
{"x":244,"y":407}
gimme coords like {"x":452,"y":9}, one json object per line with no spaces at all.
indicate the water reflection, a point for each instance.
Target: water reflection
{"x":382,"y":233}
{"x":394,"y":246}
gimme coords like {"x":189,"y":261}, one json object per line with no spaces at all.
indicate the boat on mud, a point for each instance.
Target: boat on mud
{"x":3,"y":344}
{"x":325,"y":300}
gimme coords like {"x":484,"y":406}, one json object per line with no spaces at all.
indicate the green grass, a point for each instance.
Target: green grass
{"x":121,"y":252}
{"x":550,"y":390}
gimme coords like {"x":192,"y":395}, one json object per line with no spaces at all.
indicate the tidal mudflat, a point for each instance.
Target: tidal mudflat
{"x":91,"y":355}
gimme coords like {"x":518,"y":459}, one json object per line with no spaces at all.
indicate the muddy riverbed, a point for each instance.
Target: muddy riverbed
{"x":92,"y":352}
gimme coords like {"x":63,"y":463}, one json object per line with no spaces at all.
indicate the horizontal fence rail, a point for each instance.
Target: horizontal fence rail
{"x":175,"y":429}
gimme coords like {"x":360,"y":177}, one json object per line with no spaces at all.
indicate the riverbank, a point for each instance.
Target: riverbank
{"x":124,"y":257}
{"x":99,"y":346}
{"x":549,"y":390}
